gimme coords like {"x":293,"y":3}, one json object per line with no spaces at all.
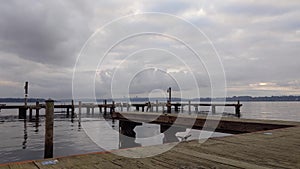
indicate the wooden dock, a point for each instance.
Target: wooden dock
{"x":110,"y":107}
{"x":277,"y":147}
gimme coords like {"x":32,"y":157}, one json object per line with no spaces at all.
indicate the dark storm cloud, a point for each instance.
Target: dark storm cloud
{"x":258,"y":43}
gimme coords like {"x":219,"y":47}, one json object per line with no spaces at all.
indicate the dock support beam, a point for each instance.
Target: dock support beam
{"x":48,"y":151}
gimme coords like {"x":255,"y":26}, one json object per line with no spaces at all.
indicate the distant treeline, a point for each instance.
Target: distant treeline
{"x":228,"y":99}
{"x":139,"y":99}
{"x":17,"y":100}
{"x":254,"y":99}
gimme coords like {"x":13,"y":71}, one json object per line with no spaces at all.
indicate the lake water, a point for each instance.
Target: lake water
{"x":23,"y":140}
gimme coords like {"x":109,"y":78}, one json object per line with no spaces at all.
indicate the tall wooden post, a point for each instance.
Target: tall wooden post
{"x":72,"y":110}
{"x":79,"y":113}
{"x":156,"y":105}
{"x":169,"y":100}
{"x":48,"y":151}
{"x":170,"y":95}
{"x":25,"y":93}
{"x":189,"y":106}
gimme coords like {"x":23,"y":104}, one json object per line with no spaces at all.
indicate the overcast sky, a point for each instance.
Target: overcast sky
{"x":256,"y":43}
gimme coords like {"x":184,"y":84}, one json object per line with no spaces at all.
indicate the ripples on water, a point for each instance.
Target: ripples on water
{"x":23,"y":140}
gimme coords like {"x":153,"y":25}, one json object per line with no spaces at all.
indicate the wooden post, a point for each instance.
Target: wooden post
{"x":121,"y":106}
{"x":37,"y":111}
{"x":30,"y":114}
{"x":48,"y":151}
{"x":88,"y":109}
{"x":169,"y":107}
{"x":72,"y":110}
{"x":213,"y":109}
{"x":163,"y":108}
{"x":238,"y":109}
{"x":196,"y":108}
{"x":112,"y":109}
{"x":105,"y":104}
{"x":156,"y":105}
{"x":25,"y":93}
{"x":169,"y":101}
{"x":151,"y":107}
{"x":93,"y":110}
{"x":189,"y":106}
{"x":100,"y":109}
{"x":68,"y":112}
{"x":170,"y":95}
{"x":181,"y":109}
{"x":128,"y":105}
{"x":79,"y":113}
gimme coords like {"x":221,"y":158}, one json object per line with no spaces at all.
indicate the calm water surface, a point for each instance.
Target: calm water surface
{"x":23,"y":140}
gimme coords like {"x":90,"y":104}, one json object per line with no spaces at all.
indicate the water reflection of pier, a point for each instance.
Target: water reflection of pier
{"x":128,"y":136}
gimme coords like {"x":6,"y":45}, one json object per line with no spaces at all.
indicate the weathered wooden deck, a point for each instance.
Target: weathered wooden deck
{"x":277,"y":148}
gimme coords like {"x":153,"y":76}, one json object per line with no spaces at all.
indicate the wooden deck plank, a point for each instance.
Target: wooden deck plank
{"x":29,"y":165}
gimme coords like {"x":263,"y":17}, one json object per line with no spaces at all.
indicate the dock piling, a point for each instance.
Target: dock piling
{"x":37,"y":111}
{"x":213,"y":109}
{"x":30,"y":114}
{"x":48,"y":151}
{"x":72,"y":110}
{"x":79,"y":113}
{"x":105,"y":105}
{"x":238,"y":109}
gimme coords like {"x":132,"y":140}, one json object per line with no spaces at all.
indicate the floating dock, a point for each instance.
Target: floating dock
{"x":260,"y":144}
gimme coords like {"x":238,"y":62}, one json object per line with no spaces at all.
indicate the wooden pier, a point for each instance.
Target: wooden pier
{"x":271,"y":144}
{"x":110,"y":107}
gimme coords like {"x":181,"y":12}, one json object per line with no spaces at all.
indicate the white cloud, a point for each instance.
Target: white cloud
{"x":257,"y":40}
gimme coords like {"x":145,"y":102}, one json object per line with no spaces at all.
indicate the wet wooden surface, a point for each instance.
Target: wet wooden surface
{"x":279,"y":148}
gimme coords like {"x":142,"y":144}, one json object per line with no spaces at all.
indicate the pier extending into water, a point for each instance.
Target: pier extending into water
{"x":106,"y":107}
